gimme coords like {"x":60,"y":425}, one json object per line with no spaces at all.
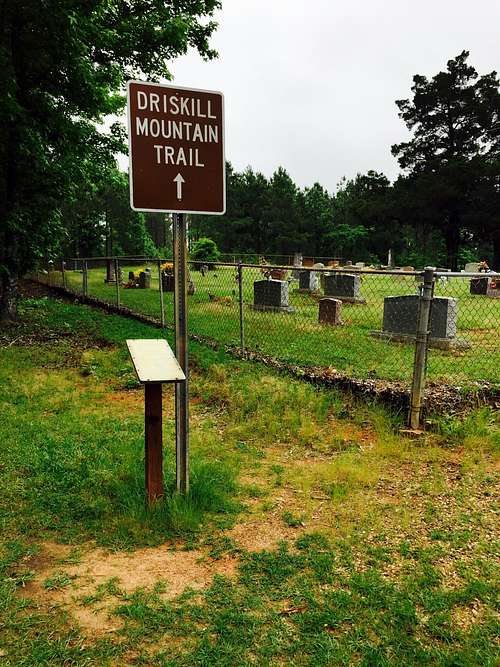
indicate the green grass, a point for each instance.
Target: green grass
{"x":379,"y":551}
{"x":82,"y":467}
{"x":298,"y":338}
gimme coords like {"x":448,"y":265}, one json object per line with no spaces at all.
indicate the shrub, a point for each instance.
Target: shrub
{"x":205,"y":250}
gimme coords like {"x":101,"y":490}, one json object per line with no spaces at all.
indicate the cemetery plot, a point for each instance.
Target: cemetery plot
{"x":299,"y":338}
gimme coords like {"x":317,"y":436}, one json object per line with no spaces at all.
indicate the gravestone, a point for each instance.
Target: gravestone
{"x":329,"y":311}
{"x":168,"y":282}
{"x":145,"y":279}
{"x":271,"y":295}
{"x":131,"y":276}
{"x":308,"y":281}
{"x":493,"y":290}
{"x":297,"y":263}
{"x":344,"y":286}
{"x":111,"y":274}
{"x":472,"y":267}
{"x":479,"y":285}
{"x":401,"y":315}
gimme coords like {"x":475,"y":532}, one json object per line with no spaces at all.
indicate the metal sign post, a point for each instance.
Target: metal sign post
{"x":181,"y":352}
{"x":177,"y":165}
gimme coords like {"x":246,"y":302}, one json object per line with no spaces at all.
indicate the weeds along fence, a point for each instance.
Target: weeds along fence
{"x":381,"y":325}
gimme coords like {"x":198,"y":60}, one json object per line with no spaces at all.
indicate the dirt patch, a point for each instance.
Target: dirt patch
{"x":125,"y":402}
{"x":258,"y":535}
{"x":91,"y":588}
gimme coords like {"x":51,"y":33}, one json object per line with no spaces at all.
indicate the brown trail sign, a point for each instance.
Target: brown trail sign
{"x":177,"y":165}
{"x":176,"y":148}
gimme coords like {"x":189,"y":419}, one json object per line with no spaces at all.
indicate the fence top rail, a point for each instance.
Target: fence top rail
{"x":285,"y":267}
{"x":326,"y":269}
{"x":288,"y":267}
{"x":467,"y":274}
{"x":110,"y":257}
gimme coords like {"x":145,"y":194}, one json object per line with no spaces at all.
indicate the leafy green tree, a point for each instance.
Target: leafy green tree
{"x":363,"y":224}
{"x":101,"y":222}
{"x":64,"y":66}
{"x":240,"y":230}
{"x":204,"y":250}
{"x":282,"y":217}
{"x":455,"y":121}
{"x":317,"y":219}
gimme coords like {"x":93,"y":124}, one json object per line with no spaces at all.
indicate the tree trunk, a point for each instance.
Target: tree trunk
{"x":452,"y":238}
{"x":8,"y":298}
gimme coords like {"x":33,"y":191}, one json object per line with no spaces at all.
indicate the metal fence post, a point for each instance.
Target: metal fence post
{"x":63,"y":274}
{"x":240,"y":299}
{"x":160,"y":287}
{"x":421,"y":347}
{"x":85,"y":284}
{"x":117,"y":281}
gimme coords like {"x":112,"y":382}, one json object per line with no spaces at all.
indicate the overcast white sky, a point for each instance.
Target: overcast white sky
{"x":310,"y":84}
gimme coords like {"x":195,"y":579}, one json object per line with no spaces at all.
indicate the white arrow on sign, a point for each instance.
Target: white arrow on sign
{"x":179,"y":180}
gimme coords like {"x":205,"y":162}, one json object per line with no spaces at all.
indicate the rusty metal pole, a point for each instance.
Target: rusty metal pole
{"x":181,"y":352}
{"x":421,"y":347}
{"x":117,"y":281}
{"x":162,"y":304}
{"x":240,"y":299}
{"x":153,"y":454}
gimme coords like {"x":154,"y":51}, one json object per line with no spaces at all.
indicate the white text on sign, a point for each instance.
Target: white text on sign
{"x":168,"y":104}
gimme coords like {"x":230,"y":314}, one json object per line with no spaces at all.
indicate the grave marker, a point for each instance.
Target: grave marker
{"x":329,"y":311}
{"x":308,"y":281}
{"x":145,"y":280}
{"x":271,"y":295}
{"x":344,"y":286}
{"x":401,"y":315}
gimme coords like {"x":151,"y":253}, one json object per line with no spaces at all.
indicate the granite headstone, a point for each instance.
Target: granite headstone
{"x":401,"y":312}
{"x":329,"y":311}
{"x":308,"y":281}
{"x":145,"y":279}
{"x":168,"y":282}
{"x":271,"y":295}
{"x":472,"y":267}
{"x":479,"y":285}
{"x":344,"y":286}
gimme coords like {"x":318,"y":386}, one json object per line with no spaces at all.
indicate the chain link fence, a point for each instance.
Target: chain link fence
{"x":361,"y":322}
